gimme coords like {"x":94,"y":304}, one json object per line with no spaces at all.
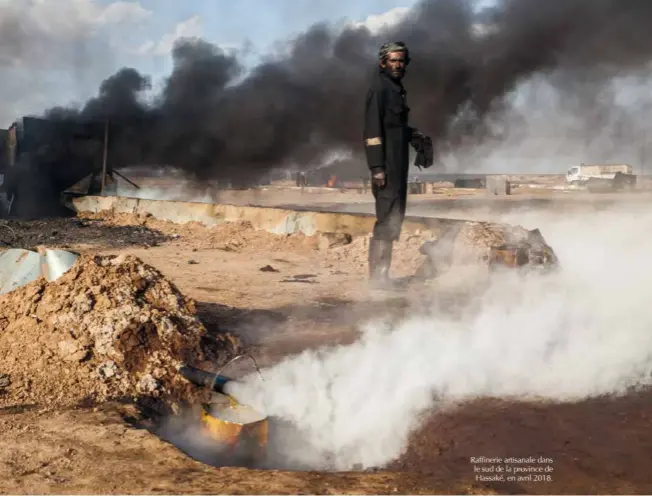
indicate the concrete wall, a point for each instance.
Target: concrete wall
{"x":276,"y":220}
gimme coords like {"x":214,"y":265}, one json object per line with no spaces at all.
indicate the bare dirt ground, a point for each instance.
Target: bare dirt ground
{"x":281,"y":295}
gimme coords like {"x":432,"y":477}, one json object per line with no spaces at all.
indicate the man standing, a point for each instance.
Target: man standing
{"x":387,"y":137}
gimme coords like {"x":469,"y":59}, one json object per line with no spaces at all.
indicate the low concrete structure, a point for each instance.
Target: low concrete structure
{"x":417,"y":188}
{"x":498,"y":185}
{"x":459,"y":243}
{"x":276,"y":220}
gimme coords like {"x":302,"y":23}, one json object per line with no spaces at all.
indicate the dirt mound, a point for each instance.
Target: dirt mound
{"x":352,"y":258}
{"x":110,"y":328}
{"x":475,"y":241}
{"x":476,"y":247}
{"x":464,"y":246}
{"x":236,"y":236}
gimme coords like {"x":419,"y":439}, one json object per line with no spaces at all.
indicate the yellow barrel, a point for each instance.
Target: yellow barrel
{"x":241,"y":428}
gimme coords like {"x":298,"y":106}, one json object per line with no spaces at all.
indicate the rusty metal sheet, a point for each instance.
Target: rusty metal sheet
{"x":509,"y":256}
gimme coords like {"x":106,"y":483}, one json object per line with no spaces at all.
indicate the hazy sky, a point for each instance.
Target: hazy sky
{"x":58,"y":51}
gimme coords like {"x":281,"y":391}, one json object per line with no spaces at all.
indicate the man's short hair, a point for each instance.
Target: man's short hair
{"x":393,"y":46}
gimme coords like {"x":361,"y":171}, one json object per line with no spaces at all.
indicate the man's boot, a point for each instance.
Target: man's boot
{"x":380,"y":261}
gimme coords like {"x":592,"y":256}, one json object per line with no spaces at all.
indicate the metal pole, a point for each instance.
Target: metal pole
{"x":117,"y":173}
{"x":104,"y":156}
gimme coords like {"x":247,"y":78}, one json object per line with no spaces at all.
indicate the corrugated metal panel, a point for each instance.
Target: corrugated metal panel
{"x":20,"y":267}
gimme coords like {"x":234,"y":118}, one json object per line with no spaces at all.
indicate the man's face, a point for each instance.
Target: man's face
{"x":395,"y":64}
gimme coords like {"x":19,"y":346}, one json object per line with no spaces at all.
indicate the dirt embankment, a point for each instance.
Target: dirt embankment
{"x":110,"y":328}
{"x":463,"y":247}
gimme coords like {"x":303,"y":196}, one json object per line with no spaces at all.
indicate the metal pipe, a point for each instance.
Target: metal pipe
{"x":214,"y":381}
{"x":127,"y":179}
{"x":202,"y":378}
{"x":238,"y":357}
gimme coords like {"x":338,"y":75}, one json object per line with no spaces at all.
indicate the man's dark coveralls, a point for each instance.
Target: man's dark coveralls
{"x":387,"y":138}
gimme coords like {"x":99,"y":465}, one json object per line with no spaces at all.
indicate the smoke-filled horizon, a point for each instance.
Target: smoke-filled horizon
{"x":214,"y":121}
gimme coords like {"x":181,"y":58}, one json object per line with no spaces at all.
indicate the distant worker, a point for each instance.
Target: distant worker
{"x":387,"y":137}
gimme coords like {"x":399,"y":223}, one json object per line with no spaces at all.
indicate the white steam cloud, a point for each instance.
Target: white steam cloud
{"x":184,"y":191}
{"x":185,"y":432}
{"x":578,"y":333}
{"x":164,"y":183}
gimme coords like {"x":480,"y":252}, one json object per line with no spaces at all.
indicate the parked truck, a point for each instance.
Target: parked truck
{"x":602,"y":177}
{"x":580,"y":174}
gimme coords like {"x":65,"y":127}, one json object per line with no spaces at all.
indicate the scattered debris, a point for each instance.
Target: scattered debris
{"x":353,"y":258}
{"x":486,"y":246}
{"x":4,"y":225}
{"x":283,"y":261}
{"x":329,"y":240}
{"x":306,"y":279}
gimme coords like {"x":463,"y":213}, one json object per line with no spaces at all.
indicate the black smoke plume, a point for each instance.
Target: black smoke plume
{"x":214,"y":121}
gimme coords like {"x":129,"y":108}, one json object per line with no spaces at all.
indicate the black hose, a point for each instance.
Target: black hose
{"x":204,"y":379}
